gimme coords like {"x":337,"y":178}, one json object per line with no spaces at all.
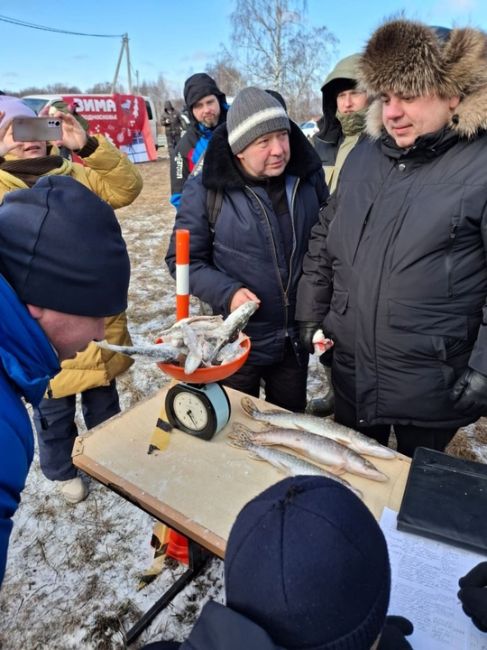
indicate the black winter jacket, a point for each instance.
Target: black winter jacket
{"x":396,"y":269}
{"x":247,"y":249}
{"x":221,"y":628}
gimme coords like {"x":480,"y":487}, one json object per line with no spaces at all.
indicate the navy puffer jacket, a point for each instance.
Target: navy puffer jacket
{"x":247,"y":248}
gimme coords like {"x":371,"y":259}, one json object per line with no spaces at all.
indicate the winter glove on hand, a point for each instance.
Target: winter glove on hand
{"x":396,"y":628}
{"x":473,"y":595}
{"x":307,"y":329}
{"x":469,"y":393}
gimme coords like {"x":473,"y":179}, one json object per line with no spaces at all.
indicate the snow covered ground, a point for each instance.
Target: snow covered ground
{"x":73,"y":571}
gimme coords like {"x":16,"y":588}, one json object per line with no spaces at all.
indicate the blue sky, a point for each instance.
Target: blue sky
{"x":174,"y":38}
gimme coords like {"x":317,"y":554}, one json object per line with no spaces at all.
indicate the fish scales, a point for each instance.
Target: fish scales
{"x":284,"y":461}
{"x":318,"y":449}
{"x":355,"y":440}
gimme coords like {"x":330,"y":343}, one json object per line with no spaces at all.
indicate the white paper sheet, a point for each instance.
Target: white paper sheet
{"x":425,"y":577}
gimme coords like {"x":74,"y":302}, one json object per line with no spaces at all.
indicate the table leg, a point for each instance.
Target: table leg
{"x":198,"y":557}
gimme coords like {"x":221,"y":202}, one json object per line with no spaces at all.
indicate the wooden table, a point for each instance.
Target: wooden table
{"x":195,"y":486}
{"x":198,"y":487}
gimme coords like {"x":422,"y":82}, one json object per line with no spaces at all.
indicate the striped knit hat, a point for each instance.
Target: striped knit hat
{"x":254,"y":112}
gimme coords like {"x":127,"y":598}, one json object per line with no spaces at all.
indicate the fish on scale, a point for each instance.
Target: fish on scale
{"x":317,"y":449}
{"x":354,"y":440}
{"x":196,"y":341}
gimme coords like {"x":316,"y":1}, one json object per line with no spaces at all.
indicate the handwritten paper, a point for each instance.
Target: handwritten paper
{"x":425,"y":576}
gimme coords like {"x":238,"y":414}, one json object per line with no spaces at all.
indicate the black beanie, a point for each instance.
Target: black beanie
{"x":200,"y":85}
{"x":61,"y":248}
{"x":308,"y":563}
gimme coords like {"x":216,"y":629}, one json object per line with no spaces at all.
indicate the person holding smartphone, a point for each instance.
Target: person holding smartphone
{"x":110,"y":175}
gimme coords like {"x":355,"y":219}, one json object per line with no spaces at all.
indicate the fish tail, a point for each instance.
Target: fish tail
{"x":249,"y":407}
{"x":240,"y":437}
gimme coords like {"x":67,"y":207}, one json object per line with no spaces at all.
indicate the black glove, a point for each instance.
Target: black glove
{"x":307,"y":329}
{"x":469,"y":393}
{"x":393,"y":633}
{"x":473,"y":595}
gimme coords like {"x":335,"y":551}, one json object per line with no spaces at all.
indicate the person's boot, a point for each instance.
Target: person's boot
{"x":73,"y":490}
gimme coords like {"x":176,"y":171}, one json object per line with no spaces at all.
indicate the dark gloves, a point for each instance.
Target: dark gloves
{"x":473,"y":595}
{"x":307,"y":329}
{"x":395,"y":629}
{"x":469,"y":393}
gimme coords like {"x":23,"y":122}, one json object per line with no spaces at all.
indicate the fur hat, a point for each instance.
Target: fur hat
{"x":254,"y":112}
{"x":409,"y":58}
{"x":308,"y":563}
{"x":61,"y":248}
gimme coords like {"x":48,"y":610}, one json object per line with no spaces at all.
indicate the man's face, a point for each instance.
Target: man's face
{"x":207,"y":110}
{"x":351,"y":101}
{"x":267,"y":155}
{"x":407,"y":118}
{"x":68,"y":333}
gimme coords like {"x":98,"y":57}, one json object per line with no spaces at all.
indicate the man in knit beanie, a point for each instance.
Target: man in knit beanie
{"x":306,"y":568}
{"x":53,"y":304}
{"x":396,"y":271}
{"x":267,"y":181}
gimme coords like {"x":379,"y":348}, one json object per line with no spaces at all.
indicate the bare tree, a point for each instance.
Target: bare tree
{"x":50,"y":89}
{"x":227,"y":76}
{"x":158,"y":91}
{"x":100,"y":88}
{"x":278,"y":50}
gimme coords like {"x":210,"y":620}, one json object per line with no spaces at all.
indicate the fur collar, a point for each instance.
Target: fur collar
{"x":221,"y":171}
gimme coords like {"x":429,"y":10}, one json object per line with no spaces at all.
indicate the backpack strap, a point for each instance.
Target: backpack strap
{"x":214,"y":201}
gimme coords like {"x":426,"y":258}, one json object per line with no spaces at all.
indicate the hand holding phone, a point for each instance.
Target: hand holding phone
{"x":36,"y":129}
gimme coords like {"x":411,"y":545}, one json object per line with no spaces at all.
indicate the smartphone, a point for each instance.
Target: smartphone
{"x":36,"y":129}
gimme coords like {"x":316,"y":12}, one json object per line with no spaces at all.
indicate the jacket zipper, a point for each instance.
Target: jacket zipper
{"x":274,"y":254}
{"x":449,"y":255}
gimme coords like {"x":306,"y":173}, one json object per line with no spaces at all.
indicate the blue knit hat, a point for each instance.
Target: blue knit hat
{"x":61,"y":248}
{"x":308,"y":563}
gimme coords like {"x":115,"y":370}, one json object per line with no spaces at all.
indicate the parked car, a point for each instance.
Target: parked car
{"x":309,"y":128}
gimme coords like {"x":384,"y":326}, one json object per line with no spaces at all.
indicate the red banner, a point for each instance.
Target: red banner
{"x":122,"y":119}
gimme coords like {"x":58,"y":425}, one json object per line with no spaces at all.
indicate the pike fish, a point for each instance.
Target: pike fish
{"x":288,"y":463}
{"x":320,"y":426}
{"x":233,"y":323}
{"x":160,"y":353}
{"x":317,"y":448}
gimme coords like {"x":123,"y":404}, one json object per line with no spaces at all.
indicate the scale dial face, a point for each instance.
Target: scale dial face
{"x":190,"y":411}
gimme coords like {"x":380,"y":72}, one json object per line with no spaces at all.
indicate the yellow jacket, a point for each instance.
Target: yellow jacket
{"x":111,"y":175}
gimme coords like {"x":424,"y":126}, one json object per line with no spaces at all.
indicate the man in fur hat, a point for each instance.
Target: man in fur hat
{"x":401,"y":284}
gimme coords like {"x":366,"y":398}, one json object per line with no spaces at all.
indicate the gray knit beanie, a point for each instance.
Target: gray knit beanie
{"x":254,"y":112}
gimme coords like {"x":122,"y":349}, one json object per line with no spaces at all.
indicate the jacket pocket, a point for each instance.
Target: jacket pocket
{"x":339,"y":301}
{"x":425,"y":320}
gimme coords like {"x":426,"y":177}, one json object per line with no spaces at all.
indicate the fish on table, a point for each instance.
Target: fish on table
{"x":284,"y":462}
{"x":316,"y":448}
{"x":354,"y":440}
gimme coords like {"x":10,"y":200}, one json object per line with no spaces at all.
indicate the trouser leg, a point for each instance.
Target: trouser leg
{"x":100,"y":403}
{"x":56,"y":431}
{"x":246,"y":380}
{"x":285,"y":382}
{"x":409,"y":437}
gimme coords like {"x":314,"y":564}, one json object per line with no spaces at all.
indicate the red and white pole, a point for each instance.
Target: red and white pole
{"x":182,"y":274}
{"x":177,"y":544}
